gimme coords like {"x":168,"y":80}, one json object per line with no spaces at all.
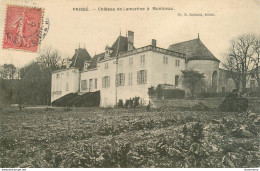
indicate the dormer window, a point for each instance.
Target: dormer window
{"x":108,"y":51}
{"x":86,"y":64}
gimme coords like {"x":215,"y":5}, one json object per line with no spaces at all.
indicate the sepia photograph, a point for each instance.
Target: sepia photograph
{"x":129,"y":84}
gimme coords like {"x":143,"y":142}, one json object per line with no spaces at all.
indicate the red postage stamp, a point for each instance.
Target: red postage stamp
{"x":22,"y":28}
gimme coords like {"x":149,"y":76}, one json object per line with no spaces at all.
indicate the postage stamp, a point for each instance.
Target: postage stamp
{"x":22,"y":28}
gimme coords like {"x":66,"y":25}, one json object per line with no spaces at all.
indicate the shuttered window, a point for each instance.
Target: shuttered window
{"x":84,"y":85}
{"x":95,"y":83}
{"x":120,"y":79}
{"x":165,"y":60}
{"x":106,"y":81}
{"x":177,"y":62}
{"x":142,"y":77}
{"x":91,"y":84}
{"x":81,"y":84}
{"x":130,"y":78}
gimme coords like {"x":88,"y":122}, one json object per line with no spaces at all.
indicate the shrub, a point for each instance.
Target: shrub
{"x":211,"y":95}
{"x":120,"y":103}
{"x":136,"y":102}
{"x":151,"y":91}
{"x":174,"y":94}
{"x":160,"y":92}
{"x":127,"y":103}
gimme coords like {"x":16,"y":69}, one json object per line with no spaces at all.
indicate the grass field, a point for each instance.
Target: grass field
{"x":105,"y":137}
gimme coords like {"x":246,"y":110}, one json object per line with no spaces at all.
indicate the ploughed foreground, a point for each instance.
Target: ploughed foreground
{"x":97,"y":137}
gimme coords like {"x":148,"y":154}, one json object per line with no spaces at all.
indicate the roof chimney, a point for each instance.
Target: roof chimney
{"x":154,"y":42}
{"x":198,"y":36}
{"x":130,"y":40}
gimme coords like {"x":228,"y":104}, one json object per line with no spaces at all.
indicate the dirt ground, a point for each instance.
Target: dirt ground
{"x":106,"y":137}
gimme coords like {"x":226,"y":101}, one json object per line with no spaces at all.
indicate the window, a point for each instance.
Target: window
{"x":165,"y":60}
{"x":106,"y":81}
{"x":84,"y":85}
{"x":120,"y":79}
{"x":141,"y":77}
{"x":142,"y":59}
{"x":86,"y":65}
{"x":67,"y":73}
{"x":120,"y":63}
{"x":58,"y":76}
{"x":177,"y":62}
{"x":91,"y":84}
{"x":106,"y":65}
{"x":131,"y":61}
{"x":67,"y":86}
{"x":130,"y":78}
{"x":95,"y":83}
{"x":164,"y":78}
{"x":176,"y":80}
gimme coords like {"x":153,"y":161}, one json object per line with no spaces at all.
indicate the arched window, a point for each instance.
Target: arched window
{"x":214,"y":81}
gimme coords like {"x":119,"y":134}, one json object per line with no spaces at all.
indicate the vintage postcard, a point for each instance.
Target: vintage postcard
{"x":130,"y":84}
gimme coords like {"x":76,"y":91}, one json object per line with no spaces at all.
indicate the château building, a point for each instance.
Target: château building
{"x":124,"y":71}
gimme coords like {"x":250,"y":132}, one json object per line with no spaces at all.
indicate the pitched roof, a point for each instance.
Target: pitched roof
{"x":81,"y":55}
{"x":194,"y":50}
{"x":120,"y":45}
{"x":95,"y":59}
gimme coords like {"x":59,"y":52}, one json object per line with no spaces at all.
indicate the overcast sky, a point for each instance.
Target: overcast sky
{"x":95,"y":29}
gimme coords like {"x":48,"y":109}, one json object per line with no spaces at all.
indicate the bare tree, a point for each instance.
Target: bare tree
{"x":256,"y":61}
{"x":238,"y":60}
{"x":50,"y":58}
{"x":233,"y":70}
{"x":64,"y":61}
